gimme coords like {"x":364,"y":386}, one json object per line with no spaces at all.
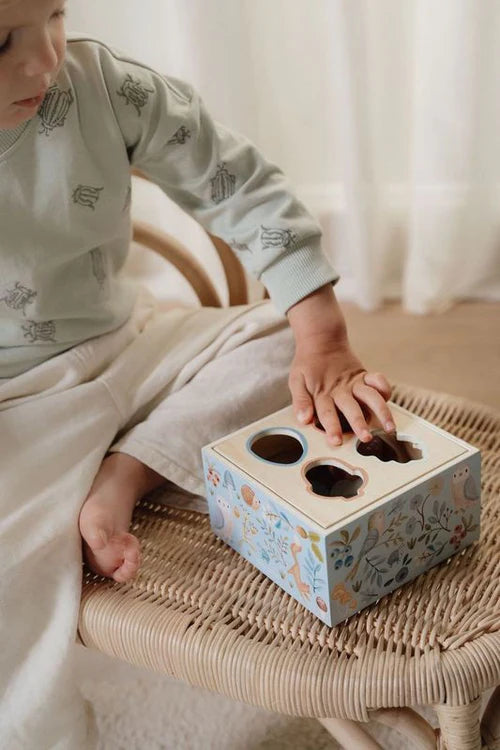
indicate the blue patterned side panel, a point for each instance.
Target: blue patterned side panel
{"x":392,"y":545}
{"x":267,"y":534}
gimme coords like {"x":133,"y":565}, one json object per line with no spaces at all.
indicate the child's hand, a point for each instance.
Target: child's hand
{"x":325,"y":375}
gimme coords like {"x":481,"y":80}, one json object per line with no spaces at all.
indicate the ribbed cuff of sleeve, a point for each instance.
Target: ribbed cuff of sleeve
{"x":297,"y":274}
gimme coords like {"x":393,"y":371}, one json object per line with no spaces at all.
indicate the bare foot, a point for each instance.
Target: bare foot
{"x":108,"y":548}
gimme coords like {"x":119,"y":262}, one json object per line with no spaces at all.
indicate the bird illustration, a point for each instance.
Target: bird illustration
{"x":222,"y":518}
{"x":376,"y":525}
{"x":229,"y":484}
{"x":463,"y":488}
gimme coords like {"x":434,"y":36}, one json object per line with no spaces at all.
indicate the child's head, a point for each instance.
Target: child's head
{"x":32,"y":49}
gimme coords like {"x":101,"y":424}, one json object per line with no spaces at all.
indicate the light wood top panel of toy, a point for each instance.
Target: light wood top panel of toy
{"x":379,"y":478}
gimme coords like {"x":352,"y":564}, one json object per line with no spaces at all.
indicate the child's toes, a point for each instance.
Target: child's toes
{"x":126,"y":571}
{"x":130,"y":557}
{"x":117,"y":559}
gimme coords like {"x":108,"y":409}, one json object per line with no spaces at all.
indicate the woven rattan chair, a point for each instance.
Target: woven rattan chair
{"x":201,"y":613}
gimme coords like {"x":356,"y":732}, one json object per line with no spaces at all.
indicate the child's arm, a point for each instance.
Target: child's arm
{"x":325,"y":373}
{"x":218,"y":177}
{"x":221,"y":179}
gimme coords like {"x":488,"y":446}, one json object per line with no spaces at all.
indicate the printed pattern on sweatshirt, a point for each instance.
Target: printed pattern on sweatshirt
{"x":18,"y":297}
{"x":54,"y":109}
{"x":135,"y":92}
{"x":40,"y":331}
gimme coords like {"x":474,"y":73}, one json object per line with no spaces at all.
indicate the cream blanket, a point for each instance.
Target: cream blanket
{"x":165,"y":383}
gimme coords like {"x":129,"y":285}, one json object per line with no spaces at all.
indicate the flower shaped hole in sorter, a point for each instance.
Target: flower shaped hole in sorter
{"x":332,"y":478}
{"x":278,"y":445}
{"x":390,"y":447}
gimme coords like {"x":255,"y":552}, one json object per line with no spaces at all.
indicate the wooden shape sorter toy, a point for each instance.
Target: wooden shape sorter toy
{"x":339,"y":527}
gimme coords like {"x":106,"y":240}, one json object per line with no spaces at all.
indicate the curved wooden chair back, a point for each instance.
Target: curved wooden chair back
{"x":181,"y":258}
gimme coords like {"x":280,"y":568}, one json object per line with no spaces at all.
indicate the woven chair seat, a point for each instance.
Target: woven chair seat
{"x":200,"y":612}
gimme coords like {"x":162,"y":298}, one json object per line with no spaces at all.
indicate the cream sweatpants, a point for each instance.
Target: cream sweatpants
{"x":158,"y":388}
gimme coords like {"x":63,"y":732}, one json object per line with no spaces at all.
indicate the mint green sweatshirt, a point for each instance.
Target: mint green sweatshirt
{"x":65,"y":226}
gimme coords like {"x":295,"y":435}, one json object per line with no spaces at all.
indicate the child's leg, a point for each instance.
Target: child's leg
{"x":233,"y":389}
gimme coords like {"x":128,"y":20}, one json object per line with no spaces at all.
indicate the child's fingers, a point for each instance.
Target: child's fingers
{"x":354,"y":415}
{"x":328,"y":418}
{"x":301,"y":399}
{"x":373,"y":399}
{"x":379,"y":382}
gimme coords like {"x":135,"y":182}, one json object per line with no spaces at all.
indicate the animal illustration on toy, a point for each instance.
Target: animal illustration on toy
{"x":338,"y":528}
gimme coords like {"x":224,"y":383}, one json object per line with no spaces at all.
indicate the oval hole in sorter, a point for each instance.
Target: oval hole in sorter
{"x":331,"y":480}
{"x":391,"y":447}
{"x":278,"y":445}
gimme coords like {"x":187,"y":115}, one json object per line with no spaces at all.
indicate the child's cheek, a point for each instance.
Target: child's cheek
{"x":61,"y":50}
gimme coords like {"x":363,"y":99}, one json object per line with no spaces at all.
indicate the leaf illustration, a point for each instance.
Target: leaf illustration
{"x":309,"y":567}
{"x":314,"y":537}
{"x":344,"y":535}
{"x":286,"y":519}
{"x":317,"y":551}
{"x":356,"y":533}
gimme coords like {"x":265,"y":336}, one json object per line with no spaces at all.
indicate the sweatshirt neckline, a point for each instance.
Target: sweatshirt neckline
{"x":10,"y":139}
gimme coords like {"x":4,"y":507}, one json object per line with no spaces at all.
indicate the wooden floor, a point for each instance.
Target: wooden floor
{"x":456,"y":352}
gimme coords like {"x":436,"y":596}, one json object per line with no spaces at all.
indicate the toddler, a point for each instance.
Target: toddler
{"x":98,"y":384}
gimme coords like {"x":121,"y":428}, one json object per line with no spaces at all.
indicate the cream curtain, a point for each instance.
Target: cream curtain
{"x":384,"y":113}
